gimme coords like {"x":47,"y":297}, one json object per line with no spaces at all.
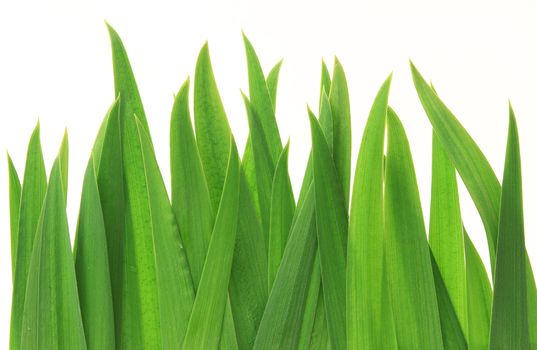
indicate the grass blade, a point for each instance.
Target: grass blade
{"x":509,"y":324}
{"x":446,"y":236}
{"x":205,"y":323}
{"x":14,"y":208}
{"x":124,"y":83}
{"x":479,"y":298}
{"x":452,"y":332}
{"x":282,"y":209}
{"x":341,"y":113}
{"x":52,"y":317}
{"x":34,"y":187}
{"x":410,"y":274}
{"x":64,"y":163}
{"x":92,"y":269}
{"x":282,"y":320}
{"x":272,"y":83}
{"x":331,"y":216}
{"x":368,"y":321}
{"x":248,"y":285}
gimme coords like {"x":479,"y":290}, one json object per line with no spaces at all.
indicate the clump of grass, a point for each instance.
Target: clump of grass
{"x":233,"y":261}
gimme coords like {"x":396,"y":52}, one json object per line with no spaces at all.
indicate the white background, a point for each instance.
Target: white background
{"x":55,"y":65}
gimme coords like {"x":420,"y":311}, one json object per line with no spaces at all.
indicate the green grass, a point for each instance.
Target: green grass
{"x":234,"y":260}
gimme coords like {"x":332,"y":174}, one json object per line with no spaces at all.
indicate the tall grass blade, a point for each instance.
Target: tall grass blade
{"x":341,"y":113}
{"x":14,"y":207}
{"x":282,"y":209}
{"x":446,"y":236}
{"x":412,"y":288}
{"x":34,"y":187}
{"x":369,"y":321}
{"x":477,"y":175}
{"x":92,"y":268}
{"x":249,"y":275}
{"x":479,"y":298}
{"x":52,"y":318}
{"x":509,"y":323}
{"x":206,"y":321}
{"x":332,"y":226}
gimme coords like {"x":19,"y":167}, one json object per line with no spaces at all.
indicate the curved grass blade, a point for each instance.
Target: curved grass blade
{"x":14,"y":208}
{"x":51,"y":318}
{"x":509,"y":323}
{"x":479,"y":298}
{"x":452,"y":333}
{"x":331,"y":219}
{"x":34,"y":187}
{"x":477,"y":175}
{"x":282,"y":209}
{"x":272,"y":83}
{"x":341,"y":113}
{"x":368,"y":321}
{"x":412,"y":289}
{"x":262,"y":103}
{"x":124,"y":83}
{"x":92,"y":269}
{"x":446,"y":236}
{"x":204,"y":327}
{"x":189,"y":190}
{"x":248,"y":285}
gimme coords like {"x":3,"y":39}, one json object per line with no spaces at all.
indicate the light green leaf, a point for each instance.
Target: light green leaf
{"x":64,"y":163}
{"x":332,"y":234}
{"x":92,"y":268}
{"x":14,"y":208}
{"x":325,"y":81}
{"x":282,"y":209}
{"x":452,"y":333}
{"x":509,"y":323}
{"x":479,"y":298}
{"x":446,"y":233}
{"x":341,"y":113}
{"x":369,"y":318}
{"x":51,"y":318}
{"x":204,"y":327}
{"x":282,"y":320}
{"x":34,"y":187}
{"x":272,"y":82}
{"x":412,"y":289}
{"x":261,"y":102}
{"x":311,"y":319}
{"x":101,"y":134}
{"x":124,"y":83}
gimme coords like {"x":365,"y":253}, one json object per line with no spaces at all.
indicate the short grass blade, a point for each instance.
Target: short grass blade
{"x":412,"y":289}
{"x":509,"y":323}
{"x":52,"y":318}
{"x":368,"y":322}
{"x":205,"y":325}
{"x":14,"y":207}
{"x":34,"y":187}
{"x":92,"y":268}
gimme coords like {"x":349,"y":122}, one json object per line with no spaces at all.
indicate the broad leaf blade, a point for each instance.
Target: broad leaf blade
{"x":33,"y":191}
{"x":412,"y":289}
{"x":509,"y":324}
{"x":446,"y":236}
{"x":52,"y":317}
{"x":282,"y":209}
{"x":368,"y":321}
{"x":206,"y":320}
{"x":14,"y":208}
{"x":92,"y":268}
